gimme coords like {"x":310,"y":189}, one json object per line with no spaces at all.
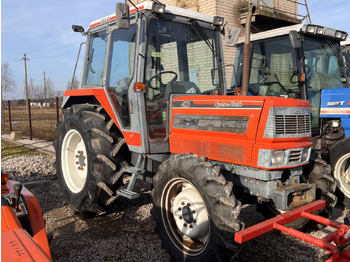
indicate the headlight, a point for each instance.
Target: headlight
{"x":310,"y":29}
{"x":277,"y":157}
{"x":320,"y":30}
{"x":218,"y":21}
{"x":158,"y":8}
{"x":305,"y":154}
{"x":335,"y":124}
{"x":338,"y":35}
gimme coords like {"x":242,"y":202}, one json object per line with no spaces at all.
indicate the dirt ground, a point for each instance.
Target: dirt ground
{"x":127,"y":233}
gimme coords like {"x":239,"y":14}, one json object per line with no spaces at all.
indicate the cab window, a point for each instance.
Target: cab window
{"x":96,"y":59}
{"x":121,"y":68}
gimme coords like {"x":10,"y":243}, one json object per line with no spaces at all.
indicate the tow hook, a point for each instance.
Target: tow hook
{"x":293,"y":196}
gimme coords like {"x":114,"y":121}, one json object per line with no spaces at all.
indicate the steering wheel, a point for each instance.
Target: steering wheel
{"x":158,"y":76}
{"x":292,"y":78}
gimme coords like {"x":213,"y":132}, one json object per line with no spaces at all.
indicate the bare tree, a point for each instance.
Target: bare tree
{"x":50,"y":90}
{"x":31,"y":88}
{"x":35,"y":92}
{"x":59,"y":93}
{"x":7,"y":85}
{"x":73,"y":84}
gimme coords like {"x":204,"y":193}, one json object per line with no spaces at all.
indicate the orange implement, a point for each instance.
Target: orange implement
{"x":23,"y":234}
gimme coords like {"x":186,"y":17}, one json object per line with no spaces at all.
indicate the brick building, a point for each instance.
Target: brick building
{"x":268,"y":15}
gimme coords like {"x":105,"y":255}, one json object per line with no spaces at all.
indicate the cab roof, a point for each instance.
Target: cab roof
{"x":147,"y":5}
{"x":346,"y":42}
{"x":330,"y":32}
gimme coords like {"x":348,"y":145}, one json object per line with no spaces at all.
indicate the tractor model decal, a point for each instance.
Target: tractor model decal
{"x":214,"y":105}
{"x":232,"y":124}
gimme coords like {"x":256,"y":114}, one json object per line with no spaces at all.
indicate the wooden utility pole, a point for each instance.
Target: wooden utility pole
{"x":44,"y":88}
{"x":25,"y":59}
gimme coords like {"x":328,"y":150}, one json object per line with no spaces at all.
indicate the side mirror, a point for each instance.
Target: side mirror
{"x":122,"y":16}
{"x":232,"y":37}
{"x":79,"y":29}
{"x":294,"y":39}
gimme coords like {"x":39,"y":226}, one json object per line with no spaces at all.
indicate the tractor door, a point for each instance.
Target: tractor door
{"x":180,"y":59}
{"x":121,"y":69}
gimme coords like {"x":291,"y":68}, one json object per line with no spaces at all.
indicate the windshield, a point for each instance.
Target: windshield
{"x":274,"y":72}
{"x":323,"y":71}
{"x":179,"y":51}
{"x":322,"y":64}
{"x":181,"y":59}
{"x":273,"y":68}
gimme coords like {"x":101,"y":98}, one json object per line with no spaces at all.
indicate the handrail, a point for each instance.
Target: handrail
{"x":276,"y":9}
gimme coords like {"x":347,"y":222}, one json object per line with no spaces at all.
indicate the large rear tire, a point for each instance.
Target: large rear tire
{"x":89,"y":158}
{"x":340,"y":161}
{"x":195,"y":210}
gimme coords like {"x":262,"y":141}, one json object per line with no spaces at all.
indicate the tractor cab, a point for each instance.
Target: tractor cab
{"x":143,"y":56}
{"x":298,"y":61}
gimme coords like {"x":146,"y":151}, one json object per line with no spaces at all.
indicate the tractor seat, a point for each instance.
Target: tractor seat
{"x":180,"y":87}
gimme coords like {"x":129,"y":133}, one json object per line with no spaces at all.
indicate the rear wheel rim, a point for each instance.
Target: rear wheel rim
{"x":185,"y":216}
{"x":342,"y":174}
{"x":74,"y":161}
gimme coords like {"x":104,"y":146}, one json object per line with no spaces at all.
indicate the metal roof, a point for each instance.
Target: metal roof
{"x":281,"y":31}
{"x":168,"y":9}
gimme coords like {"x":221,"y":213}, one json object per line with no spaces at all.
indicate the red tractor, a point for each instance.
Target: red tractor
{"x":151,"y":106}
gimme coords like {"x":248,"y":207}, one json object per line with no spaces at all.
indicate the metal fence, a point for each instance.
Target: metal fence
{"x":34,"y":118}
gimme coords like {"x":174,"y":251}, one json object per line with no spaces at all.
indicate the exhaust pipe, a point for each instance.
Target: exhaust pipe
{"x":246,"y":51}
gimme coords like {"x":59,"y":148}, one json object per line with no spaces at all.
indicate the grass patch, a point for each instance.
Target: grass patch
{"x":11,"y":149}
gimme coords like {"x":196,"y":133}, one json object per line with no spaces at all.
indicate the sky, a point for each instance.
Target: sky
{"x":42,"y":29}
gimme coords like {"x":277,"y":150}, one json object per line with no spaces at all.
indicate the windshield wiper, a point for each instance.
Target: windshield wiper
{"x":204,"y":36}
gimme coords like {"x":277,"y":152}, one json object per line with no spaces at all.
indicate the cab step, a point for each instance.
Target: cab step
{"x":127,"y":193}
{"x":133,"y":170}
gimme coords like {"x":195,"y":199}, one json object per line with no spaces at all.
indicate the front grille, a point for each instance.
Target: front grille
{"x":292,"y":124}
{"x":295,"y":156}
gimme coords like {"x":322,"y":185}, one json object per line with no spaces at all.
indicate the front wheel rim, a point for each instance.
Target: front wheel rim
{"x":342,"y":174}
{"x":74,"y":161}
{"x":185,"y":216}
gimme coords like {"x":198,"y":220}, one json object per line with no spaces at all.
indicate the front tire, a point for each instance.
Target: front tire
{"x":195,"y":210}
{"x":89,"y":159}
{"x":340,"y":161}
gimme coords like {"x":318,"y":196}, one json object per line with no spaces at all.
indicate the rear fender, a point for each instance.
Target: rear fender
{"x":99,"y":96}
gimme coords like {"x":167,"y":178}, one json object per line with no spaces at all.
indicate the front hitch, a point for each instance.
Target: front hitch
{"x":292,"y":196}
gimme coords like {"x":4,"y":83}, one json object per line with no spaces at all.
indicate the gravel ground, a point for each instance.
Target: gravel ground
{"x":127,"y":233}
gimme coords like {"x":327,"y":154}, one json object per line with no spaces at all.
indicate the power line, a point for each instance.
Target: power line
{"x":60,"y":49}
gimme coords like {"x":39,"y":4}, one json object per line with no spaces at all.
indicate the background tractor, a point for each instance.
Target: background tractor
{"x":152,"y":106}
{"x":304,"y":61}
